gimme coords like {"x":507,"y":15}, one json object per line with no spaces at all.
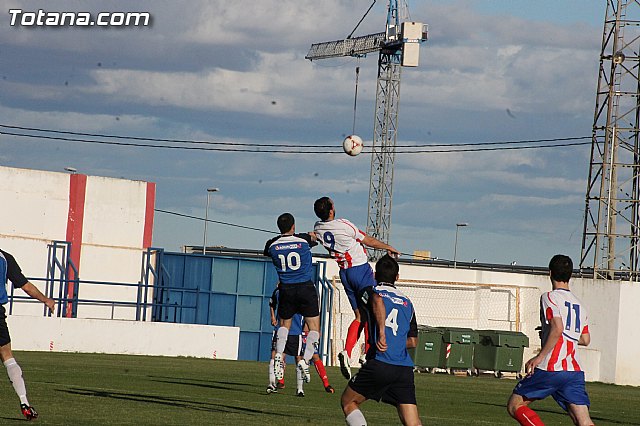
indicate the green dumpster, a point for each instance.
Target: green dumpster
{"x":457,"y":353}
{"x":427,"y":353}
{"x":500,"y":351}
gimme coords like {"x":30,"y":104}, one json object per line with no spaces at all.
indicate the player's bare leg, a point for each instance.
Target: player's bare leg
{"x":350,"y":402}
{"x":408,"y":414}
{"x":518,"y":408}
{"x":580,"y":415}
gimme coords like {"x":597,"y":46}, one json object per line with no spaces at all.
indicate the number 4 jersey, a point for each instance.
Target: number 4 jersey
{"x":400,"y":323}
{"x":563,"y":304}
{"x":291,"y":255}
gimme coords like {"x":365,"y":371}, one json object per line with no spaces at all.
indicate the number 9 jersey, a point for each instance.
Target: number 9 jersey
{"x":565,"y":305}
{"x":291,"y":255}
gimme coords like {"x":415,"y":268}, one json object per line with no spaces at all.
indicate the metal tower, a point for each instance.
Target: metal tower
{"x":612,"y":216}
{"x":398,"y":46}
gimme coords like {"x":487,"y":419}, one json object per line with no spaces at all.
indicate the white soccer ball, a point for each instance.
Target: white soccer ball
{"x":352,"y":145}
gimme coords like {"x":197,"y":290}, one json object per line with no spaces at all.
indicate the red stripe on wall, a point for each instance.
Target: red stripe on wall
{"x":147,"y":239}
{"x":77,"y":194}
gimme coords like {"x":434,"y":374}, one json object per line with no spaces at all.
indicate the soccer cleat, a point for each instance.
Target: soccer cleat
{"x":329,"y":389}
{"x":277,"y":367}
{"x":304,"y":369}
{"x":362,"y":360}
{"x":345,"y":368}
{"x":272,"y":389}
{"x":29,"y":412}
{"x":300,"y":393}
{"x":280,"y":384}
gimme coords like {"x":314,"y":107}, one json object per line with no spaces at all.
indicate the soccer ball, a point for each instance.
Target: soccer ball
{"x":352,"y":145}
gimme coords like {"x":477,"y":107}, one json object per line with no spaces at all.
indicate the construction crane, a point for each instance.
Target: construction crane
{"x":397,"y":46}
{"x":611,"y":236}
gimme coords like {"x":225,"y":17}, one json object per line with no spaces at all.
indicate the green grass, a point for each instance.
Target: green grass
{"x":93,"y":389}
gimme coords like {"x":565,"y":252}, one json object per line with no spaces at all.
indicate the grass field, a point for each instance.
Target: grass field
{"x":92,"y":389}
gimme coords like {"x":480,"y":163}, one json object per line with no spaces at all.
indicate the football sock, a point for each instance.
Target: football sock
{"x":15,"y":377}
{"x":312,"y":344}
{"x":272,"y":375}
{"x":352,"y":336}
{"x":526,"y":416}
{"x":299,"y":381}
{"x":322,"y":372}
{"x":283,"y":333}
{"x":356,"y":418}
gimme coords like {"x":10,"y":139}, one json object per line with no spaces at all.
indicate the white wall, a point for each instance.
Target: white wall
{"x":612,"y":305}
{"x":30,"y":333}
{"x":36,"y":210}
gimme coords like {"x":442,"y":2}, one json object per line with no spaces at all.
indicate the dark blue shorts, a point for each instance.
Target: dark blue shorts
{"x":4,"y":329}
{"x":355,"y":280}
{"x":391,"y":384}
{"x":566,"y":387}
{"x":298,"y":299}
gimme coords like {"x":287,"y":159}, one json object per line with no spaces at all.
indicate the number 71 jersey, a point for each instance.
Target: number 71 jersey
{"x":565,"y":305}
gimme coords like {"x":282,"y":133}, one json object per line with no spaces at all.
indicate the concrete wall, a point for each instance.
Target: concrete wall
{"x":122,"y":337}
{"x":109,"y":222}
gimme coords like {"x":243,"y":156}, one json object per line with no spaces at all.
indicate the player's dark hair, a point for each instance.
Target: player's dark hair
{"x":387,"y":269}
{"x":561,"y":268}
{"x":285,"y":222}
{"x":322,"y":207}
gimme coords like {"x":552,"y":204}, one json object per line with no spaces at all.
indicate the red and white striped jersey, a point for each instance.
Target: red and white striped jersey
{"x":565,"y":305}
{"x":343,"y":240}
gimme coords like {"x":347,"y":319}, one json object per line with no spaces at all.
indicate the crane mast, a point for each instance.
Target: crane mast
{"x":385,"y":133}
{"x":397,"y":46}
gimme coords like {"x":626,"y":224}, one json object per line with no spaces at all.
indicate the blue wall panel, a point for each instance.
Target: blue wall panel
{"x":251,"y":278}
{"x":220,"y":290}
{"x":265,"y":346}
{"x":249,"y":313}
{"x":225,"y":275}
{"x":222,"y":309}
{"x":249,"y":346}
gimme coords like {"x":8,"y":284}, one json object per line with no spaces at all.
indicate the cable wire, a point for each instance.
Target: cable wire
{"x":310,"y":150}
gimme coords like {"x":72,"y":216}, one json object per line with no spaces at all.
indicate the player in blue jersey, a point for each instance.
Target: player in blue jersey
{"x":296,"y":342}
{"x":9,"y":269}
{"x":387,"y":375}
{"x":291,"y":255}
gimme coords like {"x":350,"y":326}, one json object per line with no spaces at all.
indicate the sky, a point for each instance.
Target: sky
{"x":234,"y":72}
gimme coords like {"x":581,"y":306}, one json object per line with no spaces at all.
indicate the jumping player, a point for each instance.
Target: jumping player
{"x":9,"y":269}
{"x":556,"y":370}
{"x":291,"y":256}
{"x":345,"y":242}
{"x":387,"y":375}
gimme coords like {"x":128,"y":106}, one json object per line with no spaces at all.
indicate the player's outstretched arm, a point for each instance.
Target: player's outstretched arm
{"x":34,"y":293}
{"x":372,"y":242}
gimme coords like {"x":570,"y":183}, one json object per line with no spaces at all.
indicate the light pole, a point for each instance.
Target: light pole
{"x":455,"y":246}
{"x":206,"y":219}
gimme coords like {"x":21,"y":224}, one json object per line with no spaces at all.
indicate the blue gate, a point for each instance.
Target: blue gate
{"x":221,"y":290}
